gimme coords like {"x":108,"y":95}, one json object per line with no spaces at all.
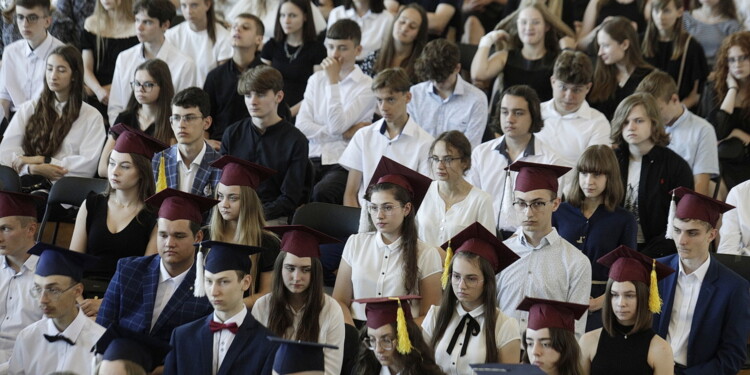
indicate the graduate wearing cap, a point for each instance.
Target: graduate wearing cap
{"x":627,"y":344}
{"x":296,"y":357}
{"x":468,"y":327}
{"x":118,"y":224}
{"x":238,"y":218}
{"x":299,"y":309}
{"x":63,"y":339}
{"x":393,"y":342}
{"x":228,"y":341}
{"x":18,"y":228}
{"x":123,"y":351}
{"x":549,"y":339}
{"x":706,"y":312}
{"x":550,"y":267}
{"x":391,"y":260}
{"x":154,"y":294}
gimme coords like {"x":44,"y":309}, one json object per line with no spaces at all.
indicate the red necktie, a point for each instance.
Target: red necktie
{"x":216,"y":326}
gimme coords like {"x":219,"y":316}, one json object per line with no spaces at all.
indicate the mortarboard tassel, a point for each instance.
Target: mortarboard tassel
{"x":200,"y":290}
{"x":669,"y":234}
{"x":446,"y":266}
{"x":161,"y":181}
{"x":654,"y":300}
{"x":404,"y":343}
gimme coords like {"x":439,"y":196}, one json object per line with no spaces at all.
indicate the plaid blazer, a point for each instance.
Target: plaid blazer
{"x":206,"y":178}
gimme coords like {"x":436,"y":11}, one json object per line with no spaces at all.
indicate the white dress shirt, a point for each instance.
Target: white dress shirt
{"x":331,"y":322}
{"x":330,"y":110}
{"x":464,"y":110}
{"x":506,"y":330}
{"x":22,"y":71}
{"x":18,"y":308}
{"x":735,"y":223}
{"x":223,"y":339}
{"x":186,"y":175}
{"x":164,"y":290}
{"x":79,"y":151}
{"x":436,"y":225}
{"x":569,"y":135}
{"x":181,"y":66}
{"x":685,"y":298}
{"x":197,"y":43}
{"x":375,"y":27}
{"x":554,"y":270}
{"x":694,"y":139}
{"x":384,"y":370}
{"x":34,"y":355}
{"x":377,"y":269}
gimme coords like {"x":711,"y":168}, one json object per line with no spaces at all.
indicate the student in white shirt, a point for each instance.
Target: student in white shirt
{"x":152,"y":19}
{"x":338,"y":102}
{"x":735,"y":225}
{"x":58,"y":134}
{"x":298,"y":308}
{"x":24,"y":61}
{"x":63,"y":340}
{"x":201,"y":37}
{"x":469,"y":305}
{"x":444,"y":101}
{"x":373,"y":19}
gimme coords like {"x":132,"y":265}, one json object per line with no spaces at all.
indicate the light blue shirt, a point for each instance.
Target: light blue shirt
{"x":694,"y":139}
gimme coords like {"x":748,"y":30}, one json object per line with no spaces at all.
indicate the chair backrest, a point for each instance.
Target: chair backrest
{"x":72,"y":191}
{"x":9,"y":180}
{"x":332,"y":219}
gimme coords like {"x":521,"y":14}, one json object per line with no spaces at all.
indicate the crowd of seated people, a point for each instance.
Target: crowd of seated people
{"x":531,"y":184}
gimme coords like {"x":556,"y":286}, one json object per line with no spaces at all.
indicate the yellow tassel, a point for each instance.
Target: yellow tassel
{"x":404,"y":344}
{"x":654,"y":300}
{"x":161,"y":181}
{"x":446,"y":266}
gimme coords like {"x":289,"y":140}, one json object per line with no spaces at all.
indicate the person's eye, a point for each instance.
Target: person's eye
{"x":307,"y":270}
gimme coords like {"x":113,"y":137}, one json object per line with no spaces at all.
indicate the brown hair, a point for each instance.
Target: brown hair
{"x":599,"y":159}
{"x":159,"y":71}
{"x":643,"y":317}
{"x":457,"y":141}
{"x":563,"y":342}
{"x":725,"y":7}
{"x":557,"y":28}
{"x":739,"y":39}
{"x":146,"y":185}
{"x":345,"y":29}
{"x":420,"y":361}
{"x":46,"y":130}
{"x":260,"y":79}
{"x":659,"y":84}
{"x":388,"y":49}
{"x":651,"y":38}
{"x":394,"y":79}
{"x":605,"y":76}
{"x":658,"y":135}
{"x":260,"y":29}
{"x":438,"y":61}
{"x":532,"y":99}
{"x":308,"y":26}
{"x":573,"y":67}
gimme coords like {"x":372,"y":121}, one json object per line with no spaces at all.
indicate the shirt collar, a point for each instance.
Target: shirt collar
{"x":355,"y":75}
{"x":59,"y":106}
{"x":549,"y":240}
{"x":41,"y":50}
{"x":394,"y":246}
{"x":410,"y":128}
{"x":680,"y":120}
{"x":459,"y":89}
{"x":699,"y":273}
{"x":502,"y":148}
{"x":237,"y":318}
{"x":164,"y":275}
{"x":474,"y":313}
{"x":73,"y":331}
{"x":584,"y":111}
{"x":29,"y":264}
{"x":198,"y":159}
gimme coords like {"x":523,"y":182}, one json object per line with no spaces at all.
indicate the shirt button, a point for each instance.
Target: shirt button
{"x":386,"y":257}
{"x":382,"y":273}
{"x":379,"y":294}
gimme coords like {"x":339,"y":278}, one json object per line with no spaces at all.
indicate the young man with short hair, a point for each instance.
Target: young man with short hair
{"x":228,"y":106}
{"x":706,"y":312}
{"x":691,"y":137}
{"x":271,"y":141}
{"x":62,"y":341}
{"x":338,"y":102}
{"x":396,"y":136}
{"x":152,"y":19}
{"x":25,"y":60}
{"x":444,"y":101}
{"x":187,"y":164}
{"x":570,"y":124}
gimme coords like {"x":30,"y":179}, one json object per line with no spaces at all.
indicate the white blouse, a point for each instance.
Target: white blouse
{"x":377,"y":268}
{"x":506,"y":330}
{"x":437,"y":226}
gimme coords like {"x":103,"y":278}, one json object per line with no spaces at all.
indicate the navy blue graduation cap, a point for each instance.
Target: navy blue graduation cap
{"x":222,"y":256}
{"x":502,"y":368}
{"x":119,"y":343}
{"x":297,"y":356}
{"x":55,"y":260}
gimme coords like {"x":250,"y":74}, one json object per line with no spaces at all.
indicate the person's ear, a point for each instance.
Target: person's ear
{"x":625,"y":44}
{"x":279,"y":96}
{"x":408,"y":97}
{"x":207,"y":121}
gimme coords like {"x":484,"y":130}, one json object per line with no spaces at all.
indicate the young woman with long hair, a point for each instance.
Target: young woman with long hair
{"x":597,"y":11}
{"x":592,"y":220}
{"x":469,"y":305}
{"x":149,"y":106}
{"x":57,"y":134}
{"x":297,"y":308}
{"x":238,"y":218}
{"x":391,"y":260}
{"x":710,"y":21}
{"x":627,"y":344}
{"x":667,"y":46}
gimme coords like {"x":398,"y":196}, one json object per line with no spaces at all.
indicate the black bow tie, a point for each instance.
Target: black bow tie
{"x":59,"y":338}
{"x":472,"y":329}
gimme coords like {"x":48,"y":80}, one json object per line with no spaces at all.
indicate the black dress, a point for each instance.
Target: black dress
{"x":623,"y":354}
{"x":696,"y":67}
{"x":297,"y":70}
{"x":104,"y":69}
{"x":608,"y":107}
{"x":131,"y":120}
{"x":734,"y":171}
{"x":535,"y":73}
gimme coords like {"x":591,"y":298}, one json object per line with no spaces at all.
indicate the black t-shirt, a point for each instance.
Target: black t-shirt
{"x":227,"y":106}
{"x":296,"y":70}
{"x":696,"y":67}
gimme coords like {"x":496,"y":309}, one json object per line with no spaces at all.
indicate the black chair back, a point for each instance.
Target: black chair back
{"x":9,"y":180}
{"x":71,"y":191}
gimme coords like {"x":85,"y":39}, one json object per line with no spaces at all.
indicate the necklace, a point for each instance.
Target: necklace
{"x":291,"y":56}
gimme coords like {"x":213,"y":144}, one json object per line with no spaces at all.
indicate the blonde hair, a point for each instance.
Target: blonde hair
{"x":557,"y":28}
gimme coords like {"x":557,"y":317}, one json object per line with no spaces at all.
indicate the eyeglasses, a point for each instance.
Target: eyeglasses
{"x":387,"y":209}
{"x":535,"y":205}
{"x":470,"y":281}
{"x":175,"y":119}
{"x":31,"y":18}
{"x":738,"y":59}
{"x":52,"y":293}
{"x":145,"y":86}
{"x":446,"y":160}
{"x":575,"y":89}
{"x":386,"y":343}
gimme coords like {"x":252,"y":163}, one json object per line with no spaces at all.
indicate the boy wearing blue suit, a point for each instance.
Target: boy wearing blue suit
{"x":229,"y":341}
{"x":706,"y":312}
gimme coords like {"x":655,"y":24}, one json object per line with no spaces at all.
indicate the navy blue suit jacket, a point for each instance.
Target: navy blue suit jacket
{"x":130,"y":297}
{"x":192,"y":350}
{"x":721,"y":321}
